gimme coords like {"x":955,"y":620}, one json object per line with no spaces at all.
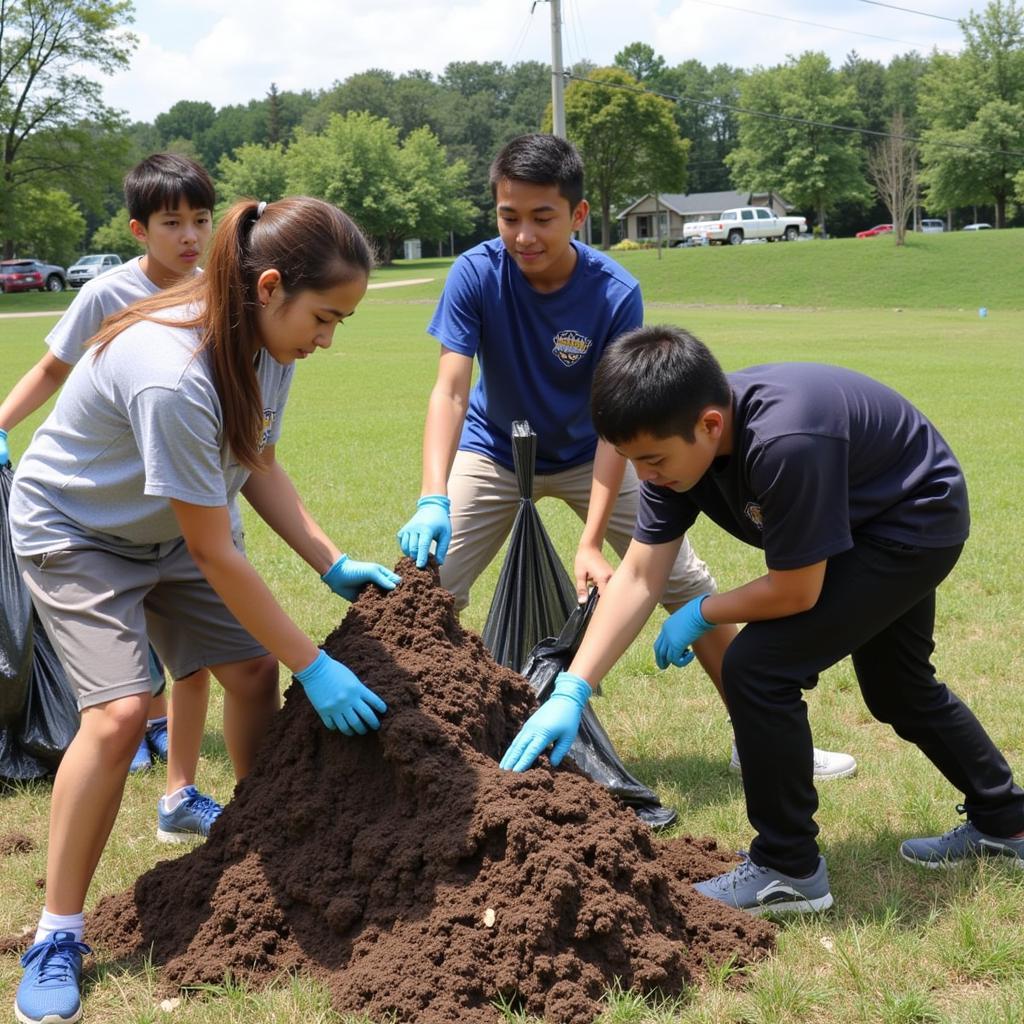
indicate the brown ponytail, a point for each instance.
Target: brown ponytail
{"x":312,"y":245}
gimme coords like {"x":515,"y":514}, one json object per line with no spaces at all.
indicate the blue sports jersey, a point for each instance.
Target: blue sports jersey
{"x":537,"y":351}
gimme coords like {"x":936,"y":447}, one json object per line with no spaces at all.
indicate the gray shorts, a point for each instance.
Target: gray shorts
{"x":101,"y":611}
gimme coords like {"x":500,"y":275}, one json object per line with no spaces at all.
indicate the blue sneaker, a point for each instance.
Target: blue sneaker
{"x":142,"y":759}
{"x":192,"y":819}
{"x":765,"y":890}
{"x":156,"y":739}
{"x":960,"y":845}
{"x":48,"y":993}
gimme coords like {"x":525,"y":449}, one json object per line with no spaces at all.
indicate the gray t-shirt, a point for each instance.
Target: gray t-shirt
{"x":98,"y":298}
{"x":135,"y":425}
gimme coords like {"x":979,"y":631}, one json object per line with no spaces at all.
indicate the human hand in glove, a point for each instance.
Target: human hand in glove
{"x":680,"y":630}
{"x":340,"y":699}
{"x":5,"y":452}
{"x":347,"y":577}
{"x":556,"y":721}
{"x":430,"y":523}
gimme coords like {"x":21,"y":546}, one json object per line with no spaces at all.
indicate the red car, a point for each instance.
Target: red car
{"x":31,"y":275}
{"x":878,"y":229}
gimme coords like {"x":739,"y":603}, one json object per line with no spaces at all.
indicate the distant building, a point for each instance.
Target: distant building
{"x":638,"y":221}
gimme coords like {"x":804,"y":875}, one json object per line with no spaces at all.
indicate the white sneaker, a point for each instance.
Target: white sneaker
{"x":828,"y":764}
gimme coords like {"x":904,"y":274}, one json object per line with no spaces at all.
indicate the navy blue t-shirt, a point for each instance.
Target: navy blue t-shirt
{"x":820,"y":454}
{"x":537,"y":351}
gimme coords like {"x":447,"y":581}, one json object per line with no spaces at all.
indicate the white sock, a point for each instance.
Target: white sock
{"x":150,"y":722}
{"x":172,"y":800}
{"x":50,"y":923}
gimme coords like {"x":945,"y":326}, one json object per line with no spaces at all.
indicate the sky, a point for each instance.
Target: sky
{"x":227,"y":51}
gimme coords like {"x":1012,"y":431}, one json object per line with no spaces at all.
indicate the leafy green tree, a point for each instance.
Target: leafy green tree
{"x":814,"y":167}
{"x":976,"y":100}
{"x":116,"y":236}
{"x":640,"y":61}
{"x":256,"y":171}
{"x":622,"y":134}
{"x":52,"y":118}
{"x":51,"y":227}
{"x":188,"y":120}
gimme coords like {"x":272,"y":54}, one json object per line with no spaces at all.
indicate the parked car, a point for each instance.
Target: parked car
{"x":743,"y":223}
{"x":980,"y":226}
{"x":30,"y":275}
{"x":92,"y":266}
{"x":878,"y":229}
{"x":932,"y":226}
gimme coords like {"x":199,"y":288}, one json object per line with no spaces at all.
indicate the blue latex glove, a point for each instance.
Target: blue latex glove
{"x":346,"y":578}
{"x":5,"y":452}
{"x":556,"y":721}
{"x":681,"y":628}
{"x":340,"y":699}
{"x":431,"y":522}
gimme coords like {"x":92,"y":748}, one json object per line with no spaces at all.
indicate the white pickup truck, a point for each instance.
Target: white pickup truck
{"x":735,"y":226}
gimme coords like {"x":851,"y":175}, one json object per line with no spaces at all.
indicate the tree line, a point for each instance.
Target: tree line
{"x":407,"y":153}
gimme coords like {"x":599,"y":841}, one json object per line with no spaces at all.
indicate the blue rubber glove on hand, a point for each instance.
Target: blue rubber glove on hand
{"x":673,"y":646}
{"x":431,"y":522}
{"x":346,"y":578}
{"x":5,"y":452}
{"x":556,"y":721}
{"x":340,"y":699}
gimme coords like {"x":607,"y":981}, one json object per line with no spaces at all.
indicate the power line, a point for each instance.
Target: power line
{"x":790,"y":119}
{"x":798,"y":21}
{"x":907,"y":10}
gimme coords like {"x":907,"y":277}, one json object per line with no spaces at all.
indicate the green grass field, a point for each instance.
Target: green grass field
{"x":902,"y":946}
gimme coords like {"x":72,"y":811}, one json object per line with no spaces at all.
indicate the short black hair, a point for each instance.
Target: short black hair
{"x":161,"y":181}
{"x":541,"y":160}
{"x":655,"y":380}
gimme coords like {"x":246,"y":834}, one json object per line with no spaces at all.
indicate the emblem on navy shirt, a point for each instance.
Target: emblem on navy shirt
{"x":269,"y":415}
{"x":571,"y":347}
{"x":753,"y":512}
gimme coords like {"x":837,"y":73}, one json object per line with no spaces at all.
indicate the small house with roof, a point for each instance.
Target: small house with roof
{"x":638,"y":221}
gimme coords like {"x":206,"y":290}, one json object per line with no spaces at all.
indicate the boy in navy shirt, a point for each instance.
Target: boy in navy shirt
{"x":861,"y":510}
{"x":537,"y":310}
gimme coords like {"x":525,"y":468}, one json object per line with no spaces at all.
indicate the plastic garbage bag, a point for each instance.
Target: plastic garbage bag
{"x":51,"y":715}
{"x":16,"y":764}
{"x":535,"y":626}
{"x":592,"y":750}
{"x":15,"y":618}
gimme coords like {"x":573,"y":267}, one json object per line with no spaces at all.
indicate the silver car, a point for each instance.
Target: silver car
{"x":89,"y":267}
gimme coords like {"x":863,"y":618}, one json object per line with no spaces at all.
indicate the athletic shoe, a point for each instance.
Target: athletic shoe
{"x":49,"y":989}
{"x":142,"y":759}
{"x":959,"y":845}
{"x":156,"y":739}
{"x":189,"y":821}
{"x":828,"y":764}
{"x":765,"y":890}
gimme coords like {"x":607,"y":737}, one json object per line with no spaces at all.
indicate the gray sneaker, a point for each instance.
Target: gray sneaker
{"x":959,"y":845}
{"x":767,"y":891}
{"x":828,"y":764}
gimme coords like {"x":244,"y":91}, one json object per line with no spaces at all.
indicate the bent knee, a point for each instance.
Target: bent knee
{"x":254,"y":679}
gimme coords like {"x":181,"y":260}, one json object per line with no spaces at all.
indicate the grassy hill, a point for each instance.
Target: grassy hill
{"x":951,"y":271}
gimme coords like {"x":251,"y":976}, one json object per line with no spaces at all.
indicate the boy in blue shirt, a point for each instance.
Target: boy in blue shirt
{"x":170,"y":202}
{"x":537,"y":310}
{"x":861,"y":509}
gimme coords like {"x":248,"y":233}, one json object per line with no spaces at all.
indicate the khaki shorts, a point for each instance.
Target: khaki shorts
{"x":101,"y":611}
{"x":485,"y":498}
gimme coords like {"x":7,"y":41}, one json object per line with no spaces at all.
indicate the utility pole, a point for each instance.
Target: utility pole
{"x":557,"y":71}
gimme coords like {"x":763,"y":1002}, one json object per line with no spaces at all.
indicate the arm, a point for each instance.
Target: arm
{"x":35,"y":387}
{"x":590,"y":563}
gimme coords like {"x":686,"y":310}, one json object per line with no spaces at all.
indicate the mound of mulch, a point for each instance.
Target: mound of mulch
{"x":409,"y":873}
{"x":15,"y":842}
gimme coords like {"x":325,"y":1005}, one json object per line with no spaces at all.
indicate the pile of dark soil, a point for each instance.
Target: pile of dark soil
{"x":15,"y":842}
{"x":413,"y":876}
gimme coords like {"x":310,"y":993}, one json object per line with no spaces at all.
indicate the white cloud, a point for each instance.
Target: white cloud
{"x":226,"y":52}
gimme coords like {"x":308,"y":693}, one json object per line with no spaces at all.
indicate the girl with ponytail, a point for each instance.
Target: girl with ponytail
{"x":120,"y":521}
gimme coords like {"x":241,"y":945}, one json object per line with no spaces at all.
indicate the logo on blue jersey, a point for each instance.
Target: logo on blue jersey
{"x":269,"y":416}
{"x":571,"y":347}
{"x":753,"y":512}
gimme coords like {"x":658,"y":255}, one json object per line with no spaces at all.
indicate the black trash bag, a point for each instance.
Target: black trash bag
{"x":592,"y":750}
{"x":534,"y":600}
{"x":51,"y":715}
{"x":534,"y":595}
{"x":16,"y":764}
{"x":15,"y":618}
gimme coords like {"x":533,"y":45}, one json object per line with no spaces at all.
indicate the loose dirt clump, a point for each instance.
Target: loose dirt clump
{"x":409,"y":873}
{"x":15,"y":842}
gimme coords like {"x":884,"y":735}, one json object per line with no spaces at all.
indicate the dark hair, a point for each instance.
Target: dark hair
{"x":312,"y":245}
{"x":541,"y":160}
{"x":161,"y":181}
{"x":655,"y":380}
